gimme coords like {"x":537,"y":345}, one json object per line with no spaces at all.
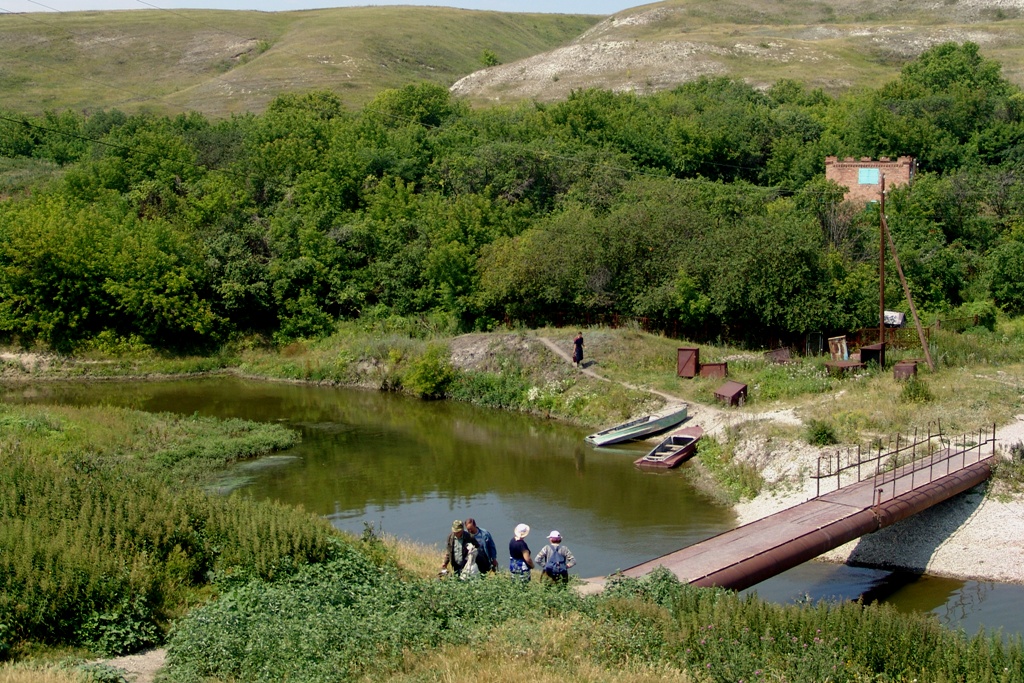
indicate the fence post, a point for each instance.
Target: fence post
{"x":817,"y":480}
{"x":839,"y":471}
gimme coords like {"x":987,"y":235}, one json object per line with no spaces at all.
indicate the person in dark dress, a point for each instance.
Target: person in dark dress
{"x":577,"y":349}
{"x":519,"y":561}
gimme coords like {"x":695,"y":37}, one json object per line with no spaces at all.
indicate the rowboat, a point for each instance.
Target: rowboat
{"x":640,"y":427}
{"x":677,"y":448}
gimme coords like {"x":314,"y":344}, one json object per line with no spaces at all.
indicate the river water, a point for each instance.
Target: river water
{"x":408,"y":468}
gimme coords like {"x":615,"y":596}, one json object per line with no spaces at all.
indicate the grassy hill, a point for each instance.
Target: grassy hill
{"x":223,"y":62}
{"x":834,"y":44}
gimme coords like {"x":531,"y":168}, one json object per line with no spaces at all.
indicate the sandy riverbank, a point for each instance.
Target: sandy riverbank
{"x":975,"y":535}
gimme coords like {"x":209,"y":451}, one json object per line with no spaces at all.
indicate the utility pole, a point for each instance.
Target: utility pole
{"x":886,"y":235}
{"x":881,"y":266}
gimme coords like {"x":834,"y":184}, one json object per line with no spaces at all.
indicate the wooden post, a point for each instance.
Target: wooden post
{"x":881,"y":267}
{"x":906,"y":288}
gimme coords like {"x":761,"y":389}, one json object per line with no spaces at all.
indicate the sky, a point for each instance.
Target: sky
{"x":553,"y":6}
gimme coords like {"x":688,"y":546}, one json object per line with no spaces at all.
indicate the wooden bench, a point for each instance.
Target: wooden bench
{"x":841,"y":367}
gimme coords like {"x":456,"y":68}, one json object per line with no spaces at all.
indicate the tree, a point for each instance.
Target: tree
{"x":424,"y":104}
{"x":1006,"y":265}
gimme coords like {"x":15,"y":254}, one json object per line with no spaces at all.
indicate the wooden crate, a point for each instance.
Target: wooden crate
{"x":720,"y":370}
{"x":732,"y":393}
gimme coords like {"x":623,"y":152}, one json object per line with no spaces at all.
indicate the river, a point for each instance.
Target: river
{"x":407,"y":468}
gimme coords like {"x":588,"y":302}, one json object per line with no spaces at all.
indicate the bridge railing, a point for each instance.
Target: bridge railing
{"x":923,"y":458}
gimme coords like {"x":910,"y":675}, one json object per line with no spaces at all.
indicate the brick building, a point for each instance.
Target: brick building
{"x":863,"y":179}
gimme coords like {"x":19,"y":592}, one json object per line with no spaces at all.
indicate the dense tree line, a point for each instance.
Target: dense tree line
{"x":703,"y":208}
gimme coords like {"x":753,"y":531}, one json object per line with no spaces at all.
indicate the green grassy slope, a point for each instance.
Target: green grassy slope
{"x":223,"y":62}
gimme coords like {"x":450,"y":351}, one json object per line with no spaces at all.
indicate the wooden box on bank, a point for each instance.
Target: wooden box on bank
{"x":905,"y":369}
{"x":720,"y":370}
{"x":873,"y":352}
{"x":732,"y":393}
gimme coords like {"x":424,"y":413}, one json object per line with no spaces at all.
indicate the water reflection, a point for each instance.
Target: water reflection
{"x":410,"y":467}
{"x":957,"y":604}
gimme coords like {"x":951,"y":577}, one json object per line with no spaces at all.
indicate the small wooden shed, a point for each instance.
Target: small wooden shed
{"x":688,"y":361}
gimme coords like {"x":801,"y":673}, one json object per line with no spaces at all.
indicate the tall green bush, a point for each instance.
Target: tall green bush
{"x":104,"y":537}
{"x":430,"y":375}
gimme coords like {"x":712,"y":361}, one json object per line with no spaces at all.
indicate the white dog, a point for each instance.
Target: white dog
{"x":471,"y":570}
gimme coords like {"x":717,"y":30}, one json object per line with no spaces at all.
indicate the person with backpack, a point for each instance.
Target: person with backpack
{"x":556,"y":559}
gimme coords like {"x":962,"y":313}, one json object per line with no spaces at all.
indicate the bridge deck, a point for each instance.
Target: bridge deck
{"x":805,"y":528}
{"x":756,"y":538}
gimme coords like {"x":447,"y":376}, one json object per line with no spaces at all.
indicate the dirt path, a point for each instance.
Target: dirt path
{"x":139,"y":668}
{"x":711,"y":418}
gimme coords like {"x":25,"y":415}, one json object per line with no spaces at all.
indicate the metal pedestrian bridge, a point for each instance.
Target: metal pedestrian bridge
{"x":858,"y":492}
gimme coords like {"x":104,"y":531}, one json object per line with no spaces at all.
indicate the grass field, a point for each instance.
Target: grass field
{"x":225,"y":62}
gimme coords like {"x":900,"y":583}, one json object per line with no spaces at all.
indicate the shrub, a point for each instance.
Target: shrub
{"x":821,"y":433}
{"x":915,"y":390}
{"x":5,"y":642}
{"x":1011,"y":470}
{"x":96,"y":549}
{"x":488,"y":58}
{"x":508,"y":389}
{"x":345,"y":620}
{"x":125,"y":627}
{"x":430,"y":375}
{"x":738,"y":480}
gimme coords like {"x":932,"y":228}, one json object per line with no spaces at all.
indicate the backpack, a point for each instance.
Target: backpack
{"x":555,"y":565}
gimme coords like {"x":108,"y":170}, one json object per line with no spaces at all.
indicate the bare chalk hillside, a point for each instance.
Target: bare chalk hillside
{"x":831,"y":45}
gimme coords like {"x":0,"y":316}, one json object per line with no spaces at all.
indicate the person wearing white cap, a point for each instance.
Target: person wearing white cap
{"x":555,"y":559}
{"x":519,"y":561}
